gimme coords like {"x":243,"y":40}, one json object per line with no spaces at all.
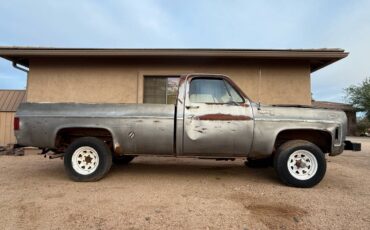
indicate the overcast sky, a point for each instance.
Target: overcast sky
{"x":196,"y":24}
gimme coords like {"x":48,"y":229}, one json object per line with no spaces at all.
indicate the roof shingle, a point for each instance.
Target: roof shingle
{"x":10,"y":99}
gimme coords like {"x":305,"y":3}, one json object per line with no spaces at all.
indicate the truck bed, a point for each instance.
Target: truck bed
{"x":140,"y":128}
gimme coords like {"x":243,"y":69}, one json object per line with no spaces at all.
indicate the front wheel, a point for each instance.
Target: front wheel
{"x":87,"y":159}
{"x":300,"y":163}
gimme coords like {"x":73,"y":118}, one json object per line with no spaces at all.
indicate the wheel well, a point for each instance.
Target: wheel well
{"x":66,"y":136}
{"x":318,"y":137}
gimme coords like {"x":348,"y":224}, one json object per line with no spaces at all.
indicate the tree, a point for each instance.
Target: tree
{"x":363,"y":125}
{"x":359,"y":97}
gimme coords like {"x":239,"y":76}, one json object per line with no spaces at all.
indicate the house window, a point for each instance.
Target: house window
{"x":160,"y":89}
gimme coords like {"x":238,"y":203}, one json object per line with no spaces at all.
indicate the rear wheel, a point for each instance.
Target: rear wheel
{"x":87,"y":159}
{"x":300,"y":163}
{"x":122,"y":160}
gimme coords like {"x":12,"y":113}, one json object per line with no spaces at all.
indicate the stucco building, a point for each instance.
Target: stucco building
{"x":150,"y":75}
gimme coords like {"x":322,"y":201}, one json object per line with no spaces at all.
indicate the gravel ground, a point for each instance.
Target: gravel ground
{"x":170,"y":193}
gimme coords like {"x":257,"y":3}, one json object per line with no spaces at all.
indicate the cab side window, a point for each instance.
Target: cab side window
{"x":212,"y":90}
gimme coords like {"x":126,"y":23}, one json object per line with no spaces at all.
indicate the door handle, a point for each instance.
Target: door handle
{"x":192,"y":107}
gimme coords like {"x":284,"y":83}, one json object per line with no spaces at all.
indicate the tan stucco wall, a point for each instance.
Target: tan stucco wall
{"x":120,"y":81}
{"x":6,"y":128}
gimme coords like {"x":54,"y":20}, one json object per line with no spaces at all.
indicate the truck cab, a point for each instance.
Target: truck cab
{"x":214,"y":118}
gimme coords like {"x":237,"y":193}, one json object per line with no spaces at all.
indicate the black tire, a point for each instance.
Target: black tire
{"x":259,"y":163}
{"x":288,"y":176}
{"x":122,"y":160}
{"x":102,"y":150}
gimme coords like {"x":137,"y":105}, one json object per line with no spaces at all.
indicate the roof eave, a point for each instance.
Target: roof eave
{"x":321,"y":57}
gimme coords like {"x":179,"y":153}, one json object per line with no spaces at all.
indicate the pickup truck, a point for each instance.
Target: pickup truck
{"x":212,"y":118}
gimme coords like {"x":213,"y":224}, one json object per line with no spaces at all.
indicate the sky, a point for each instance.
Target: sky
{"x":270,"y":24}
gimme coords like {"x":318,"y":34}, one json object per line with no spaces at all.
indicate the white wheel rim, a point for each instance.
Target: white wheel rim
{"x":302,"y":164}
{"x":85,"y":160}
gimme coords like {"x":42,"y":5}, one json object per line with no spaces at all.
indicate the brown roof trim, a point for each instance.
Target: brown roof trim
{"x":266,"y":53}
{"x":318,"y":57}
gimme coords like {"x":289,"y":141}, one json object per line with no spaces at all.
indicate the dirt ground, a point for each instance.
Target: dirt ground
{"x":170,"y":193}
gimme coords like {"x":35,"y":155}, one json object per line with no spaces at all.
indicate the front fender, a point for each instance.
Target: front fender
{"x":267,"y":131}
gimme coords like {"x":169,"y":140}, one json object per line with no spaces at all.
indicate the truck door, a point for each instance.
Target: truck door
{"x":217,"y":119}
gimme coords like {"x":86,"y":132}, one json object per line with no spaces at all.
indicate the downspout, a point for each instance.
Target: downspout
{"x":15,"y":65}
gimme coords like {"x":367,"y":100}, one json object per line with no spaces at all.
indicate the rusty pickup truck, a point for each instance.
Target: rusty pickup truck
{"x":211,"y":118}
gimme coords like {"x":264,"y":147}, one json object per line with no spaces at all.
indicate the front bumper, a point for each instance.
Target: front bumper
{"x":349,"y":145}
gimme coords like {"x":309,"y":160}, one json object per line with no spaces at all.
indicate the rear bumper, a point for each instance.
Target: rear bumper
{"x":349,"y":145}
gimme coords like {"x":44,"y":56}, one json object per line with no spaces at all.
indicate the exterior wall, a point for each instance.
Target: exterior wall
{"x":6,"y":128}
{"x":121,"y":80}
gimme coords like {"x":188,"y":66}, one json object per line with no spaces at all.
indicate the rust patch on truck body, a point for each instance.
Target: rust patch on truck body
{"x":117,"y":150}
{"x":223,"y":117}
